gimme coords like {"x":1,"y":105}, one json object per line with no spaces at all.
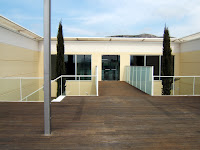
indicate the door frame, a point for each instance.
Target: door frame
{"x":102,"y":66}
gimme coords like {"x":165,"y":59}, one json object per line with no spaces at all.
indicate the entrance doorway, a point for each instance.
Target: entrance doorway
{"x":110,"y":67}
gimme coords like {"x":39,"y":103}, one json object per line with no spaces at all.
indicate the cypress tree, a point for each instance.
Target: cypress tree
{"x":60,"y":64}
{"x":167,"y":68}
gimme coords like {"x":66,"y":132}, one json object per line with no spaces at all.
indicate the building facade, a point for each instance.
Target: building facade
{"x":22,"y":55}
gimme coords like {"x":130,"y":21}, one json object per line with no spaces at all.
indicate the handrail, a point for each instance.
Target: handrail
{"x":56,"y":79}
{"x":78,"y":75}
{"x":20,"y":84}
{"x":173,"y":84}
{"x":21,"y":77}
{"x":174,"y":76}
{"x":97,"y":86}
{"x":32,"y":93}
{"x":61,"y":77}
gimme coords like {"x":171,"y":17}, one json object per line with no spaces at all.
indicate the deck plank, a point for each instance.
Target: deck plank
{"x":122,"y":117}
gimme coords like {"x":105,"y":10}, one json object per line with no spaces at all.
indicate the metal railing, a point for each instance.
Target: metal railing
{"x":18,"y":88}
{"x":73,"y":79}
{"x":181,"y":85}
{"x":142,"y":78}
{"x":76,"y":85}
{"x":31,"y":89}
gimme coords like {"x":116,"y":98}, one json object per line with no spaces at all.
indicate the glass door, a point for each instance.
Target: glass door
{"x":110,"y":67}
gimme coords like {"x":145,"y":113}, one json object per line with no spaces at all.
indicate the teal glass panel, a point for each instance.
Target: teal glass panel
{"x":143,"y":78}
{"x":138,"y":77}
{"x":149,"y":80}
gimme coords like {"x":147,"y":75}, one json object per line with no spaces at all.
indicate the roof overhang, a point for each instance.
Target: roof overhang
{"x":113,"y":39}
{"x":190,"y":37}
{"x":6,"y":23}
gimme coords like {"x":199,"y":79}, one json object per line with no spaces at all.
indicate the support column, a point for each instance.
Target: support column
{"x":47,"y":67}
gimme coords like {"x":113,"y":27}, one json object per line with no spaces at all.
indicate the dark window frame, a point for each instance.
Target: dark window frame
{"x":160,"y":62}
{"x":75,"y":64}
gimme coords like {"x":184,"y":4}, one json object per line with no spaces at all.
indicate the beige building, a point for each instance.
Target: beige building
{"x":22,"y":56}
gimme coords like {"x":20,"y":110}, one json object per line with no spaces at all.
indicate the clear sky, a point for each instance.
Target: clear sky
{"x":100,"y":18}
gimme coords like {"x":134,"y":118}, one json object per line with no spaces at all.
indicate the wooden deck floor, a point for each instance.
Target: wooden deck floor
{"x":120,"y":118}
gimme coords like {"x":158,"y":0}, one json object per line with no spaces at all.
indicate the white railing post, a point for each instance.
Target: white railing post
{"x":126,"y":73}
{"x":61,"y":86}
{"x":20,"y":84}
{"x":136,"y":77}
{"x":97,"y":86}
{"x":146,"y":81}
{"x":129,"y":75}
{"x":152,"y":90}
{"x":79,"y":87}
{"x":173,"y":85}
{"x":194,"y":86}
{"x":140,"y":78}
{"x":132,"y":75}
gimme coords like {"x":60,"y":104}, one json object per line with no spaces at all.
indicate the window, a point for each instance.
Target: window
{"x":69,"y":64}
{"x":149,"y":61}
{"x":74,"y":64}
{"x":84,"y":66}
{"x":153,"y":61}
{"x":137,"y":60}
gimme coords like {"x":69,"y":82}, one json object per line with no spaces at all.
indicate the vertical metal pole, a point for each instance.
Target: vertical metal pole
{"x":152,"y":90}
{"x":136,"y":77}
{"x":75,"y":66}
{"x":159,"y":66}
{"x":193,"y":85}
{"x":132,"y":75}
{"x":140,"y":78}
{"x":97,"y":80}
{"x":126,"y":74}
{"x":146,"y":80}
{"x":79,"y":87}
{"x":20,"y":84}
{"x":173,"y":85}
{"x":129,"y":75}
{"x":47,"y":68}
{"x":61,"y":86}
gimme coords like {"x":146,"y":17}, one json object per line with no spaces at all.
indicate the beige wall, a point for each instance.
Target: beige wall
{"x":157,"y":87}
{"x":189,"y":58}
{"x":122,"y":48}
{"x":124,"y":61}
{"x":189,"y":62}
{"x":87,"y":88}
{"x":18,"y":62}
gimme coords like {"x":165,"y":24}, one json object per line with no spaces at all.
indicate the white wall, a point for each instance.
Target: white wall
{"x":190,"y":46}
{"x":16,"y":39}
{"x":114,"y":47}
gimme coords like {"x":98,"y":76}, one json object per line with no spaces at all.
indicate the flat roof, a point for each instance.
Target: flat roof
{"x":113,"y":39}
{"x":190,"y":37}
